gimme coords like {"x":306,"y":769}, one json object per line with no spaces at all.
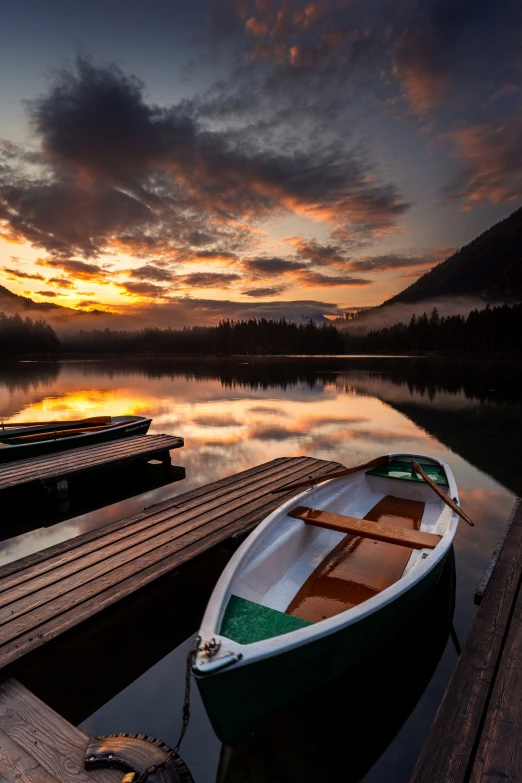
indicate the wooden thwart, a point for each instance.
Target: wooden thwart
{"x":391,"y":534}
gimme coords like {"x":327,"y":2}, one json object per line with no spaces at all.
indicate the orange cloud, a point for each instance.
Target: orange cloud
{"x":491,"y":162}
{"x":18,"y":274}
{"x":77,"y":270}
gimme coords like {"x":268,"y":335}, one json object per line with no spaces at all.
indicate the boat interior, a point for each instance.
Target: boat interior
{"x":354,"y":538}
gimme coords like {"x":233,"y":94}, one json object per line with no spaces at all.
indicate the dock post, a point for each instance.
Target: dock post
{"x":166,"y":461}
{"x":59,"y":490}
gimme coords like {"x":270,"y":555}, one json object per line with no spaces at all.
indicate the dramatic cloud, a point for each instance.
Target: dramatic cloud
{"x":447,"y":59}
{"x":119,"y":173}
{"x":282,"y":172}
{"x":79,"y":270}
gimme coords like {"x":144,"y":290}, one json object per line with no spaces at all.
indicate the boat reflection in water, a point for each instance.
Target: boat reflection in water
{"x":340,"y":731}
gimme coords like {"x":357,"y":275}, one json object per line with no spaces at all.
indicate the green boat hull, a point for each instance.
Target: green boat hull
{"x":237,"y":698}
{"x":17,"y":452}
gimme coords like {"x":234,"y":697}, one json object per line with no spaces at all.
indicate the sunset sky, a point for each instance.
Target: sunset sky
{"x":251,"y":157}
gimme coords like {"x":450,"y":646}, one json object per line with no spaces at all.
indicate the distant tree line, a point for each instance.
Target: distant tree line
{"x":19,"y":336}
{"x":495,"y":330}
{"x":253,"y":336}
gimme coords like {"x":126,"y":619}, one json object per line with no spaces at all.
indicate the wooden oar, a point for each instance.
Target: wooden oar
{"x":64,"y":433}
{"x":373,"y":463}
{"x":442,"y":495}
{"x":91,"y":420}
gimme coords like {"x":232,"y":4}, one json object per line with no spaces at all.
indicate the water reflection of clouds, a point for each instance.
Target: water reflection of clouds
{"x":230,"y":427}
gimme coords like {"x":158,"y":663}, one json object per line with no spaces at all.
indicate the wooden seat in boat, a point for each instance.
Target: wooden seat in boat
{"x":391,"y":534}
{"x":359,"y":567}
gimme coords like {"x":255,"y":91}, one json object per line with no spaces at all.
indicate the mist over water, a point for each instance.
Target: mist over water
{"x":236,"y":413}
{"x":401,"y":312}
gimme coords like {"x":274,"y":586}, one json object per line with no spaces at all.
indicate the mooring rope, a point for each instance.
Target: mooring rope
{"x":185,"y":713}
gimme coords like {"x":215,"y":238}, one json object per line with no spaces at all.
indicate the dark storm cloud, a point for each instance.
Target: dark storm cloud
{"x":121,"y":173}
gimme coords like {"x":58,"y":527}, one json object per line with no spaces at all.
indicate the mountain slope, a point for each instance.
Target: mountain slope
{"x":489,"y":267}
{"x":14,"y":303}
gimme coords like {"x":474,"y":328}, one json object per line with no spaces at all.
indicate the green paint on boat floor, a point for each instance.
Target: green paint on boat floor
{"x":246,"y":622}
{"x":403,"y":470}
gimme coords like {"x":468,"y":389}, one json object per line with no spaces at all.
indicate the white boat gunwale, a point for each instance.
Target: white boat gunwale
{"x":246,"y":654}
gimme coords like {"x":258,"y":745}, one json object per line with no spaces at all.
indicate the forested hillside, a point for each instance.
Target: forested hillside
{"x":489,"y":267}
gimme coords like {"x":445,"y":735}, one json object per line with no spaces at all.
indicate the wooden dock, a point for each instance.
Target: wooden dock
{"x":476,"y":736}
{"x":53,"y":470}
{"x":46,"y":594}
{"x":39,"y":746}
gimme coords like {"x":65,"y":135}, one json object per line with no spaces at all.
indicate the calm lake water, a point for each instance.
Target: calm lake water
{"x":126,"y":672}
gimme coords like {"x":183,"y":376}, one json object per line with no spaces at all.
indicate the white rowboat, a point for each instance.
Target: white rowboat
{"x":319,"y":584}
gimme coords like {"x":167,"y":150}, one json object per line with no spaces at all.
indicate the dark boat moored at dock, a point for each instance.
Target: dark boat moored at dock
{"x":35,"y":440}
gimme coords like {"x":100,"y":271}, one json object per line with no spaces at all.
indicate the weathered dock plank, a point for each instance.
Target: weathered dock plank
{"x":486,"y":576}
{"x":53,"y":468}
{"x":499,"y":753}
{"x":478,"y":722}
{"x":38,"y":746}
{"x":50,"y":592}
